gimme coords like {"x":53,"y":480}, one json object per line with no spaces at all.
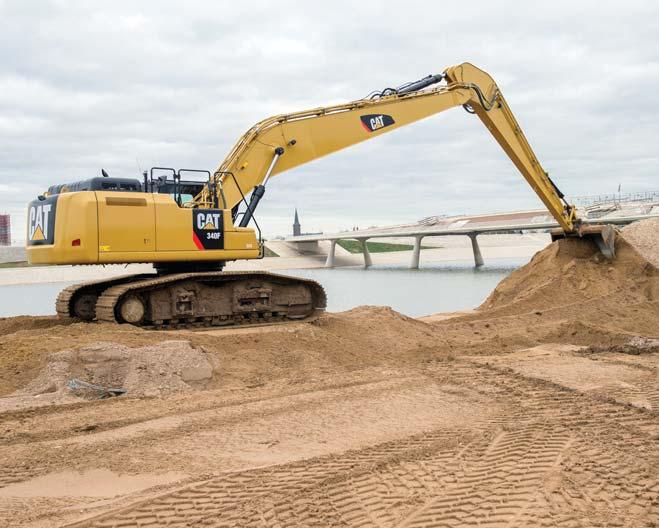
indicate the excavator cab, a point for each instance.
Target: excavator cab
{"x":172,"y":183}
{"x":105,"y":183}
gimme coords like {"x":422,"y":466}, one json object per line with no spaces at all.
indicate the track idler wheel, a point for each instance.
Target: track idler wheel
{"x":84,"y":306}
{"x":132,"y":309}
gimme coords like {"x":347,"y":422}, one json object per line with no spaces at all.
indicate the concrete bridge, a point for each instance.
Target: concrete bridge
{"x":469,"y":226}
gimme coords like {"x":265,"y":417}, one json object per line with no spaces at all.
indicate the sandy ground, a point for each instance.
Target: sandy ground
{"x":540,"y":408}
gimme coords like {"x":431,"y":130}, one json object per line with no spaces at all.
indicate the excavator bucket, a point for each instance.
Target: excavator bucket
{"x":604,"y":237}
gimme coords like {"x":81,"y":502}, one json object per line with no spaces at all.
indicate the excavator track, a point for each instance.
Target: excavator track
{"x":68,"y":303}
{"x":195,"y":299}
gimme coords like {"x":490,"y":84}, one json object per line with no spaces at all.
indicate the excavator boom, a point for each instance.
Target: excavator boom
{"x":305,"y":136}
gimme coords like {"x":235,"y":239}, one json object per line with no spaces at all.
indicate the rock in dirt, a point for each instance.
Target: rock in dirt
{"x":144,"y":371}
{"x":636,"y":346}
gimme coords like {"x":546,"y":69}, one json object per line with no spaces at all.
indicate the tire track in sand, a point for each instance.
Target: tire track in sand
{"x":539,"y":463}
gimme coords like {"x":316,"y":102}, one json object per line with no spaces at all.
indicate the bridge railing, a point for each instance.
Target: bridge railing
{"x":616,"y":198}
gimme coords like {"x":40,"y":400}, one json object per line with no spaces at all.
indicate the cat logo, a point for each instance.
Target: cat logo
{"x":207,"y":229}
{"x":208,"y":221}
{"x":373,"y":122}
{"x":41,"y":221}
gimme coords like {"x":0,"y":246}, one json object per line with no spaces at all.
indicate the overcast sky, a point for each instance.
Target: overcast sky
{"x":117,"y":84}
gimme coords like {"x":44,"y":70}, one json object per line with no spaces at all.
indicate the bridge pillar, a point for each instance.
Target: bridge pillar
{"x":329,"y":263}
{"x":416,"y":253}
{"x":478,"y":258}
{"x":367,"y":255}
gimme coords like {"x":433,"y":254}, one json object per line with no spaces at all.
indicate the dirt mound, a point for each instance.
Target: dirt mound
{"x":572,"y":272}
{"x":644,"y":236}
{"x":25,"y":349}
{"x":9,"y":325}
{"x":144,"y":371}
{"x":387,"y":322}
{"x":349,"y":340}
{"x":250,"y":357}
{"x":568,"y":293}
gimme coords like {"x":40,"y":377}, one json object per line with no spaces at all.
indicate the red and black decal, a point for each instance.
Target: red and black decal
{"x":373,"y":122}
{"x":208,"y":228}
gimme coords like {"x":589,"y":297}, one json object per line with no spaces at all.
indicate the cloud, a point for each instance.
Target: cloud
{"x":89,"y":85}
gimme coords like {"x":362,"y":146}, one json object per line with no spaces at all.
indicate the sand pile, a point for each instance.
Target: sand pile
{"x":644,"y":236}
{"x":572,"y":272}
{"x":145,"y":371}
{"x":367,"y":335}
{"x":251,"y":357}
{"x":568,"y":293}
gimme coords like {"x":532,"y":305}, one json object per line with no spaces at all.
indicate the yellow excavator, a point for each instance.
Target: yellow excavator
{"x":188,"y":227}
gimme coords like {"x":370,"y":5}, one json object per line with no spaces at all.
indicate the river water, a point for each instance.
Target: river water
{"x":439,"y":288}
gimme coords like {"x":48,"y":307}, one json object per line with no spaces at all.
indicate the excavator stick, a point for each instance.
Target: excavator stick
{"x":604,"y":237}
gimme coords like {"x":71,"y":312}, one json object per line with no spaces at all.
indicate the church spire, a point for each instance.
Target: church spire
{"x":297,"y":229}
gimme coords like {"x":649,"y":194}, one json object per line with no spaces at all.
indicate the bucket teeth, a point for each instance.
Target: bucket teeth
{"x":604,"y":237}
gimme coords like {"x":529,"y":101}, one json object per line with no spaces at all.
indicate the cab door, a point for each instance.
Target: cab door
{"x":126,"y":222}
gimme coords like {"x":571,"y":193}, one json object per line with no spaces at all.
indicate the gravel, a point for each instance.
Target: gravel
{"x":144,"y":371}
{"x":644,"y":236}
